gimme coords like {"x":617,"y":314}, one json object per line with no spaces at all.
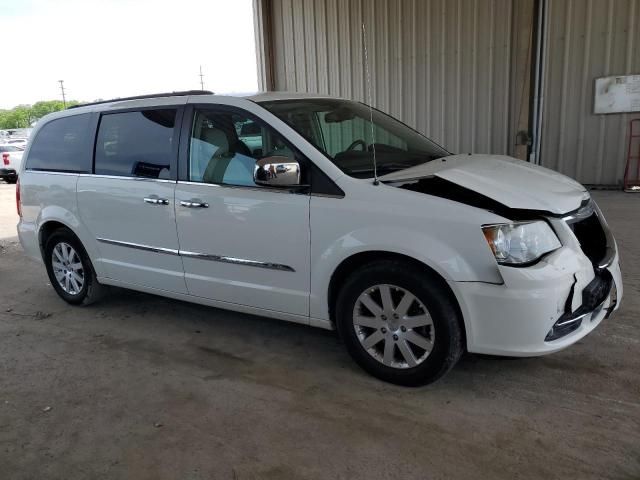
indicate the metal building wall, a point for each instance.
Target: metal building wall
{"x":456,"y":70}
{"x":587,"y":39}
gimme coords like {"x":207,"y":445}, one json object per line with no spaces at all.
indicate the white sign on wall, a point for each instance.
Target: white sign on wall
{"x":617,"y":94}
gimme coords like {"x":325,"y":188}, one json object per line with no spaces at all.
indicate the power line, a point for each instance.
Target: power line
{"x":64,"y":100}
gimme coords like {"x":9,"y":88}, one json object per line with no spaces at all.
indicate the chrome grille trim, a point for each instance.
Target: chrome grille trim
{"x":611,"y":250}
{"x":580,"y":214}
{"x":610,"y":245}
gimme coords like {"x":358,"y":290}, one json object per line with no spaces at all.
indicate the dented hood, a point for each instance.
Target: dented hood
{"x":511,"y":182}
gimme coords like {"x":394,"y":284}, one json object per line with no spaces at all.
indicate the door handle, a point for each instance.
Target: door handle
{"x":192,"y":204}
{"x":156,"y":201}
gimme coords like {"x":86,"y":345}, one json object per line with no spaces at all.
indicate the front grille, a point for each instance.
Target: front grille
{"x":591,"y":235}
{"x":598,"y":245}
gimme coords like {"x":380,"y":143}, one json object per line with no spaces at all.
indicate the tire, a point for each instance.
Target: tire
{"x":90,"y":290}
{"x":11,"y":180}
{"x":441,"y":345}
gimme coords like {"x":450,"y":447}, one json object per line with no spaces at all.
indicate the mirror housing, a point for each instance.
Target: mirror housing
{"x":277,"y":171}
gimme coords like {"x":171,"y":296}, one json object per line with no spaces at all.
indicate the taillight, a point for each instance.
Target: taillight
{"x":5,"y":158}
{"x":18,"y":204}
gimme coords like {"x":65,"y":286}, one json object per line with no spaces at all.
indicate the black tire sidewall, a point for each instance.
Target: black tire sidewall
{"x":65,"y":236}
{"x":448,"y":343}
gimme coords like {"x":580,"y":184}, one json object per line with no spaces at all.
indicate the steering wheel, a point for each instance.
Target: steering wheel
{"x":360,"y":142}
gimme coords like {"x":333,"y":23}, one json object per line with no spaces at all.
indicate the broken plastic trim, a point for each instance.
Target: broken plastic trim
{"x":594,"y":296}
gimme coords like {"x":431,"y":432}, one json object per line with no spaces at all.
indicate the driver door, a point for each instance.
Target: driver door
{"x":240,"y":243}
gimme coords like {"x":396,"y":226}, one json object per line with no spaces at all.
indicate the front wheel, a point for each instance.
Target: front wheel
{"x":399,"y":323}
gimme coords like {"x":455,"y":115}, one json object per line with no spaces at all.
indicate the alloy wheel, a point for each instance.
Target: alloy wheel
{"x":67,"y":268}
{"x":393,"y":326}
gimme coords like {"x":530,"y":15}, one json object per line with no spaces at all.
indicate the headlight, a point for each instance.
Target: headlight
{"x":520,"y":242}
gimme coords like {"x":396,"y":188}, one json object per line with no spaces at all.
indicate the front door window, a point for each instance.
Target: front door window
{"x":225,"y":145}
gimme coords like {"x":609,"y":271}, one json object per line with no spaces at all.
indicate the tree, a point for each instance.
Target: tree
{"x":18,"y":117}
{"x":42,"y":108}
{"x":23,"y":116}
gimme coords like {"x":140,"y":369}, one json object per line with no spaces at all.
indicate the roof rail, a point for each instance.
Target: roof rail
{"x":152,"y":95}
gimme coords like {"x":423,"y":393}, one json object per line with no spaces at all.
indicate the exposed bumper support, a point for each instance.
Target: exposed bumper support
{"x":594,"y":297}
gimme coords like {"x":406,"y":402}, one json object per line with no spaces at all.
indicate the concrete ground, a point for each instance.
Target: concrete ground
{"x":144,"y":387}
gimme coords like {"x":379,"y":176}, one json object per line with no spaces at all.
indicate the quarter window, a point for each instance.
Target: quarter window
{"x":225,"y":145}
{"x":61,"y":146}
{"x":136,"y":144}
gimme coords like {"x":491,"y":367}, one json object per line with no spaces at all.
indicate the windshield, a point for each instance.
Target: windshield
{"x":342,"y":130}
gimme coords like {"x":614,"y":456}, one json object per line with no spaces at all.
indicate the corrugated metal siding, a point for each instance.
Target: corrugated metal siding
{"x":587,"y":39}
{"x":442,"y":66}
{"x":261,"y":22}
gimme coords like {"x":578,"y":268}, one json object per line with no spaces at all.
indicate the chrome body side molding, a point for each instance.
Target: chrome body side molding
{"x":202,"y":256}
{"x":237,"y":261}
{"x":137,"y":246}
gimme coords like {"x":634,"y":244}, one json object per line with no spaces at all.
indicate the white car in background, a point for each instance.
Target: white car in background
{"x":10,"y":161}
{"x":271,"y":205}
{"x":21,"y":143}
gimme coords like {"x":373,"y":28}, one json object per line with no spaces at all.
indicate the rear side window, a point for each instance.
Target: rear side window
{"x":62,"y":146}
{"x":136,"y":144}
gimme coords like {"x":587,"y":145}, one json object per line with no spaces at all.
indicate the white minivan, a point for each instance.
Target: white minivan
{"x":320,"y":211}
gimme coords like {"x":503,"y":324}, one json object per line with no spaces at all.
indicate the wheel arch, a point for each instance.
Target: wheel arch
{"x":358,"y":260}
{"x":50,"y":226}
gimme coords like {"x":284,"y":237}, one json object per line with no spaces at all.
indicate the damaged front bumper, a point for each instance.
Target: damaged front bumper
{"x":551,"y":305}
{"x":601,"y":294}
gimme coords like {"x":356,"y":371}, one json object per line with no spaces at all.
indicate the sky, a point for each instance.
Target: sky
{"x":114,"y":48}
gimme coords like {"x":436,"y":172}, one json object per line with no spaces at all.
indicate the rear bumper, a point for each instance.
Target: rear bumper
{"x":28,"y":236}
{"x":525,"y":315}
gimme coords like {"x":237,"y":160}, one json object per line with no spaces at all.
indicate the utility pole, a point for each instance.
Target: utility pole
{"x":64,"y":100}
{"x":201,"y":81}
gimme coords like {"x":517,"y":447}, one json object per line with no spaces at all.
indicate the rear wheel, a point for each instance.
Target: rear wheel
{"x":70,"y":270}
{"x":11,"y":180}
{"x":399,"y":323}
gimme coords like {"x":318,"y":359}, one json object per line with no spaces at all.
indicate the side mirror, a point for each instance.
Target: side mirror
{"x":277,"y":171}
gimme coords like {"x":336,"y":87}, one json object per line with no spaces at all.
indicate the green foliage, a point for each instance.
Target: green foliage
{"x":23,"y":116}
{"x":40,"y":109}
